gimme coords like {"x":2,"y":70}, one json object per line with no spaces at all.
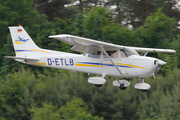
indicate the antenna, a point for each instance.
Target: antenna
{"x":108,"y":41}
{"x":98,"y":39}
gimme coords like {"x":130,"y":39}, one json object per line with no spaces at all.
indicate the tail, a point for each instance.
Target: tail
{"x":24,"y":46}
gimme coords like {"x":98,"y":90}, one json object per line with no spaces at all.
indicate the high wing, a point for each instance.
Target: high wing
{"x":86,"y":45}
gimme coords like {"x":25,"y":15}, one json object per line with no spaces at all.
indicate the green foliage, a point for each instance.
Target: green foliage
{"x":76,"y":106}
{"x":76,"y":110}
{"x":43,"y":93}
{"x":175,"y":44}
{"x":135,"y":12}
{"x":94,"y":22}
{"x":59,"y":95}
{"x":73,"y":110}
{"x":162,"y":103}
{"x":159,"y":27}
{"x":13,"y":14}
{"x":155,"y":34}
{"x":47,"y":112}
{"x":119,"y":35}
{"x":78,"y":25}
{"x":54,"y":8}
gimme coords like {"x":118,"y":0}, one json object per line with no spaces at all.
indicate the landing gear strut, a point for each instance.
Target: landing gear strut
{"x":141,"y":80}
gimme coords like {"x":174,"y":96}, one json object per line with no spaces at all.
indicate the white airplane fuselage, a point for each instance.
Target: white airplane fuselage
{"x":132,"y":66}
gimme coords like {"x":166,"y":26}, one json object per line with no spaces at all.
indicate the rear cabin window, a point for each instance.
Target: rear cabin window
{"x":96,"y":54}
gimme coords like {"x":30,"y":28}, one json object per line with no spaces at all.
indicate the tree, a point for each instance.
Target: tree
{"x":176,"y":45}
{"x":47,"y":112}
{"x":85,"y":5}
{"x":97,"y":32}
{"x":73,"y":110}
{"x":157,"y":30}
{"x":120,"y":35}
{"x":53,"y":8}
{"x":13,"y":14}
{"x":94,"y":22}
{"x":78,"y":25}
{"x":135,"y":13}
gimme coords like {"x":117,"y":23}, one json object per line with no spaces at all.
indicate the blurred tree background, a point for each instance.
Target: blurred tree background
{"x":51,"y":94}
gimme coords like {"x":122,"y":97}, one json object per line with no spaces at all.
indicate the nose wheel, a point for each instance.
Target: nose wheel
{"x":142,"y":85}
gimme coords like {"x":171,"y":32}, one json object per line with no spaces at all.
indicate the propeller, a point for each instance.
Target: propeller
{"x":160,"y":63}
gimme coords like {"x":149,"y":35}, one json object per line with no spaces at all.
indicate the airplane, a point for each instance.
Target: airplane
{"x":101,"y":58}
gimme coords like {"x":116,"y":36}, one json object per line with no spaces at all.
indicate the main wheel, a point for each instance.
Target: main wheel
{"x":98,"y":85}
{"x":122,"y":87}
{"x":144,"y":90}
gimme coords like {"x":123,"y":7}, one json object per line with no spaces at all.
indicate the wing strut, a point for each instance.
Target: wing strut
{"x":111,"y":60}
{"x":145,"y":53}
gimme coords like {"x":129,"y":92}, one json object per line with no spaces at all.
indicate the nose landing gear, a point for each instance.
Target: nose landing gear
{"x":142,"y":85}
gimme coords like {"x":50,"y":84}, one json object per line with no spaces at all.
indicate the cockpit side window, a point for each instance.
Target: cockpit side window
{"x":123,"y":54}
{"x":112,"y":54}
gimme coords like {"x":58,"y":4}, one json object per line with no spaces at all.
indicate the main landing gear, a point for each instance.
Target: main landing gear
{"x":122,"y":87}
{"x":97,"y":81}
{"x":98,"y":85}
{"x":122,"y":84}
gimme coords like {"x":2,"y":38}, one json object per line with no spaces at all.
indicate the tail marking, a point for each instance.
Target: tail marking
{"x":21,"y":40}
{"x":30,"y":50}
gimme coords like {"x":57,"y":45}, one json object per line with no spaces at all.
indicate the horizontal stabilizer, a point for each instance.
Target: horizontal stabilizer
{"x":23,"y":58}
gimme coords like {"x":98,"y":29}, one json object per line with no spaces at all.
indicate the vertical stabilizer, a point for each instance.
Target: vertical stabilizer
{"x":24,"y":46}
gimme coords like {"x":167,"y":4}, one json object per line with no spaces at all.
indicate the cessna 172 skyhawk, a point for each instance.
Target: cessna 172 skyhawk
{"x":98,"y":58}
